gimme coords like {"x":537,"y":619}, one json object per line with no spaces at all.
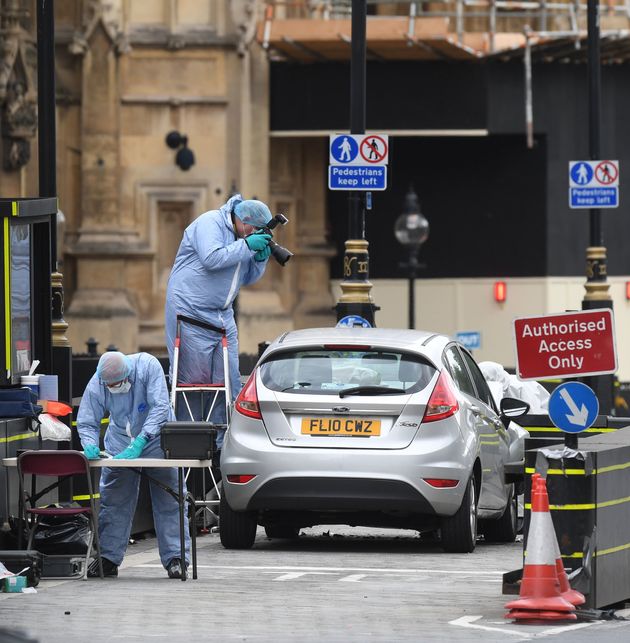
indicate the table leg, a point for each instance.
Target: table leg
{"x":193,"y":535}
{"x":181,"y":499}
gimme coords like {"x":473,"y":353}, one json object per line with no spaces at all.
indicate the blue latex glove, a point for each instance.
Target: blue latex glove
{"x":263,"y":255}
{"x":91,"y":452}
{"x":257,"y":242}
{"x":133,"y":450}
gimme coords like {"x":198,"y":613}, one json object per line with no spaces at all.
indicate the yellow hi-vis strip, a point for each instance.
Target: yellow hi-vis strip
{"x":587,"y":506}
{"x":7,"y":298}
{"x":21,"y":436}
{"x":600,"y":552}
{"x":15,"y":208}
{"x":553,"y":429}
{"x":103,"y":421}
{"x":96,"y":496}
{"x":581,"y":472}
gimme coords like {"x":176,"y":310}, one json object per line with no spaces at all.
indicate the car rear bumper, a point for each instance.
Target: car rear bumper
{"x":338,"y":494}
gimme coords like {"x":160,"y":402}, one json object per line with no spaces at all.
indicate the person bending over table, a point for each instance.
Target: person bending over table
{"x":133,"y":389}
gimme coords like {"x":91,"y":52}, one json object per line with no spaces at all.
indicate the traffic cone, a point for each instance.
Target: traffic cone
{"x":566,"y":591}
{"x":540,"y":595}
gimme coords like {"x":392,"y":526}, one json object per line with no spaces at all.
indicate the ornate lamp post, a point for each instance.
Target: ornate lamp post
{"x":412,"y":230}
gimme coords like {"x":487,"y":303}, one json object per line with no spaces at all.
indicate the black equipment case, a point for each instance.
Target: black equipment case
{"x":16,"y":560}
{"x":188,"y":440}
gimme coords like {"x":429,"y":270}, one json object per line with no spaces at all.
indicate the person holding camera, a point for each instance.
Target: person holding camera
{"x":221,"y":251}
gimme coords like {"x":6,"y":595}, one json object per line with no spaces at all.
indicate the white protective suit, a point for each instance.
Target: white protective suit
{"x":502,"y":384}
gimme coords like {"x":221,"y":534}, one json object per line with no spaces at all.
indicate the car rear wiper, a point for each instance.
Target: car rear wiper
{"x":371,"y":390}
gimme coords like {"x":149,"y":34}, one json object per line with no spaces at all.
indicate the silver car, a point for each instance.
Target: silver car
{"x":373,"y":427}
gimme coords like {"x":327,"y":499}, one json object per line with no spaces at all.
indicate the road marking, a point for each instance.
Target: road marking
{"x":565,"y":628}
{"x":353,"y":578}
{"x":458,"y":572}
{"x":294,"y":575}
{"x":468,"y":621}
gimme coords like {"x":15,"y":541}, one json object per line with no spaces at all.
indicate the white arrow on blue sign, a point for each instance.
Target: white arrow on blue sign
{"x":573,"y":407}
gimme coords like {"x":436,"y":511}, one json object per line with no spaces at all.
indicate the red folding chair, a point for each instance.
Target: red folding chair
{"x":62,"y":464}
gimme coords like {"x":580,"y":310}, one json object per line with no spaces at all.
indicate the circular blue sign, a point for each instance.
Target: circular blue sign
{"x":350,"y":321}
{"x":582,"y":173}
{"x":344,"y":149}
{"x":573,"y":407}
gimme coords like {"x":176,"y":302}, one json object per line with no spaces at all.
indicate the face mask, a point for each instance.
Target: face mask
{"x":125,"y":387}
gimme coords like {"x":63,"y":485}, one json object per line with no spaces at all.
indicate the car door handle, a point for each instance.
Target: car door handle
{"x":475,"y":409}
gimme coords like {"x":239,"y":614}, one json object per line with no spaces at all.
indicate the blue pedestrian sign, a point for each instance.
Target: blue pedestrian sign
{"x":470,"y":339}
{"x":356,"y":177}
{"x":573,"y":407}
{"x":343,"y":149}
{"x":350,"y":321}
{"x":593,"y":184}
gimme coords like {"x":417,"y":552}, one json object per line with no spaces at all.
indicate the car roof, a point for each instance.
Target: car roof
{"x":420,"y":341}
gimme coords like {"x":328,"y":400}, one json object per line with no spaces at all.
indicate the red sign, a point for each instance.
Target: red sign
{"x":373,"y":149}
{"x":565,"y":345}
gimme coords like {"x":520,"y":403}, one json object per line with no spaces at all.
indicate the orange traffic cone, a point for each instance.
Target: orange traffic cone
{"x":540,"y":595}
{"x":566,"y":591}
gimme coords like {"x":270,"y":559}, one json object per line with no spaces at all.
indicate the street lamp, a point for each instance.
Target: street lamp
{"x":412,"y":230}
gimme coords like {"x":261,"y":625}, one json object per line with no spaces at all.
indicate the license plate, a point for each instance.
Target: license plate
{"x":354,"y":427}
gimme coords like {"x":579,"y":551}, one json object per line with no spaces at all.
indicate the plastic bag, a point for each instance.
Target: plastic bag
{"x":53,"y":429}
{"x":56,"y":535}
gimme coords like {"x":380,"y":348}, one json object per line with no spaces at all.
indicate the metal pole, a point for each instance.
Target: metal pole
{"x":596,"y":286}
{"x":356,"y":298}
{"x":413,"y":267}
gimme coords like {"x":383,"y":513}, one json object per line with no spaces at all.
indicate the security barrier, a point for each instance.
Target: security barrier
{"x":589,"y":499}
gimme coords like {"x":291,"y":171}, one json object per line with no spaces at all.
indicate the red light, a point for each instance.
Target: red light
{"x":627,"y":289}
{"x":247,"y":400}
{"x":442,"y":403}
{"x":500,"y":291}
{"x":441,"y":483}
{"x":240,"y":479}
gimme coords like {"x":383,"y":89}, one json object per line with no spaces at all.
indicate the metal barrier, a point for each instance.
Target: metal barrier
{"x":590,"y":505}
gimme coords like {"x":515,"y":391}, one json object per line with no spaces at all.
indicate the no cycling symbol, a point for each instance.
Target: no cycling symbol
{"x":373,"y":149}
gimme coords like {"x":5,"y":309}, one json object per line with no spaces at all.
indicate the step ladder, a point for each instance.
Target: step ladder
{"x":208,"y":393}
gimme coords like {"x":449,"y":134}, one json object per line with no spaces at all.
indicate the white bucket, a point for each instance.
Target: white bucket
{"x":32,"y":381}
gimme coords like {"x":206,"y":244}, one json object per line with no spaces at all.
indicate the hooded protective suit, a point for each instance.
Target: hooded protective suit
{"x":141,"y":411}
{"x":210,"y":267}
{"x":502,"y":384}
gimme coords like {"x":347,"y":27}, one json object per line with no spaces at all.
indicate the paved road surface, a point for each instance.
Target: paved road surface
{"x":333,"y":584}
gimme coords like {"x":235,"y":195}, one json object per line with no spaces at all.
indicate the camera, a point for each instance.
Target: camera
{"x":278,"y":252}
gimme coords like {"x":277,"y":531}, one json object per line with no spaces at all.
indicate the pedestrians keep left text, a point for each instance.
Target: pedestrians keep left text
{"x":357,"y":178}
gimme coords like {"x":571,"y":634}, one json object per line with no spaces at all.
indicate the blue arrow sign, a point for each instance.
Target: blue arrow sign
{"x":573,"y":407}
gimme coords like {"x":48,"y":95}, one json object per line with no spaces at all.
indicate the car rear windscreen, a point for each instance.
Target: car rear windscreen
{"x":325,"y":371}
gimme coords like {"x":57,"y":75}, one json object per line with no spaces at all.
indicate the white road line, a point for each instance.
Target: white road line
{"x":353,"y":578}
{"x":468,"y":621}
{"x":348,"y":569}
{"x":563,"y":629}
{"x":294,"y":575}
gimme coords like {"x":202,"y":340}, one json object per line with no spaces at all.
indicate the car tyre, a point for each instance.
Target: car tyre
{"x":459,"y":532}
{"x":236,"y":528}
{"x":282,"y":531}
{"x":504,"y":529}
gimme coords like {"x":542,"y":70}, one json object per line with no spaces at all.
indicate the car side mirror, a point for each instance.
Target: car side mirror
{"x":513,"y":408}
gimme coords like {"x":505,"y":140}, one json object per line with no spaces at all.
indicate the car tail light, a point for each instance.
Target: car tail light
{"x":247,"y":400}
{"x":439,"y":483}
{"x":240,"y":479}
{"x":442,"y":403}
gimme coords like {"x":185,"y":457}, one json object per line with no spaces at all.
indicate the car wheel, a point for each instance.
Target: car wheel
{"x":459,"y":532}
{"x":236,"y":528}
{"x":282,"y":531}
{"x":504,"y":529}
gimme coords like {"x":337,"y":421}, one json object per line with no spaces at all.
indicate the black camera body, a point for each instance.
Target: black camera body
{"x":278,"y":252}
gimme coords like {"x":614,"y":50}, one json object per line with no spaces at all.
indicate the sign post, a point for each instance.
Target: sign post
{"x":566,"y":345}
